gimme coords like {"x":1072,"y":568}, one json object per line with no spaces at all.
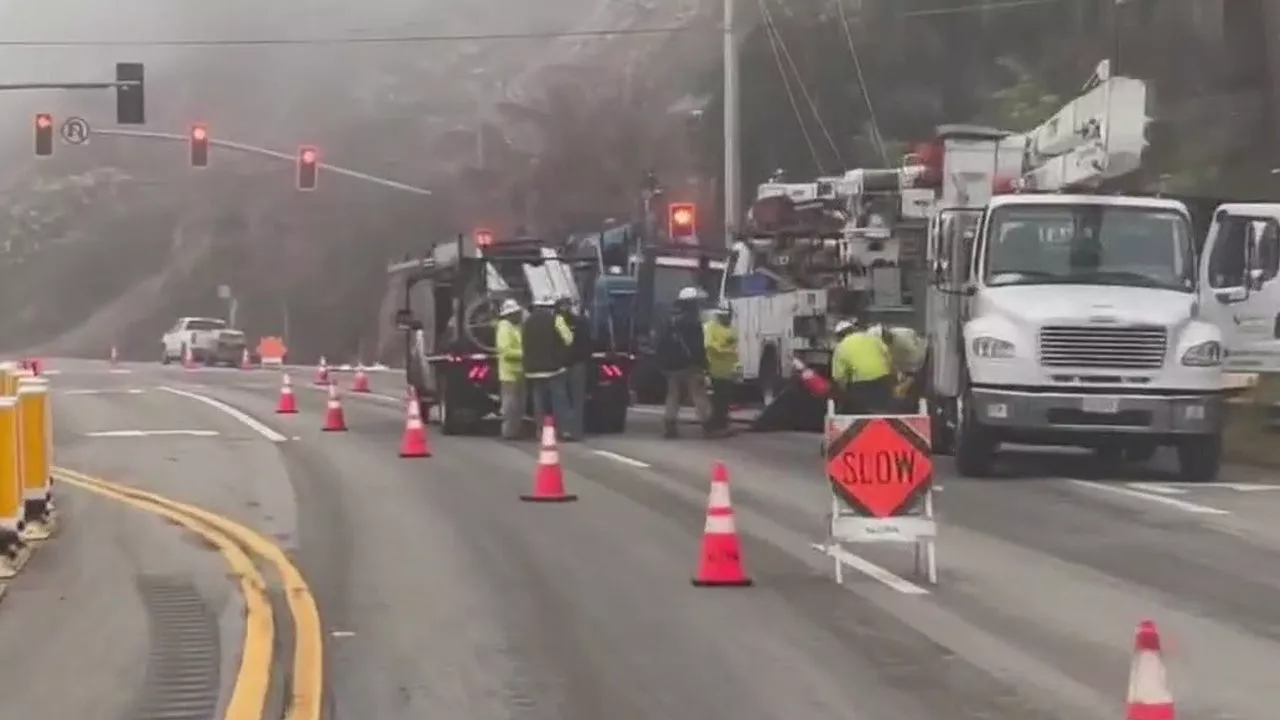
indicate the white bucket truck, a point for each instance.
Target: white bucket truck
{"x":1076,"y":319}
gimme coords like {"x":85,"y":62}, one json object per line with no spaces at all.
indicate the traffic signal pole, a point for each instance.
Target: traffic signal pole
{"x":732,"y":127}
{"x":266,"y":152}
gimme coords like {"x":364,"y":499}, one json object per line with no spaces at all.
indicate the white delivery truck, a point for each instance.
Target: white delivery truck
{"x":1078,"y":318}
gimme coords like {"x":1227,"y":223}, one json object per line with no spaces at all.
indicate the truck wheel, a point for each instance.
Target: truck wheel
{"x":1199,"y":458}
{"x":1140,"y":452}
{"x":449,"y":424}
{"x":610,"y":419}
{"x":164,"y":356}
{"x":975,"y":448}
{"x":941,"y":435}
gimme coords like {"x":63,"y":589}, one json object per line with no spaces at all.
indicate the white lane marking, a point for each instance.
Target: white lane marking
{"x":1159,"y":488}
{"x":86,"y":391}
{"x":870,"y":569}
{"x":622,"y":459}
{"x":1183,"y":505}
{"x":342,"y":634}
{"x":120,"y":371}
{"x":245,"y":419}
{"x":150,"y":433}
{"x":1181,"y":488}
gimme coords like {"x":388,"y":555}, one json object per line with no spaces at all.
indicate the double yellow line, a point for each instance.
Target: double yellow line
{"x":235,"y":542}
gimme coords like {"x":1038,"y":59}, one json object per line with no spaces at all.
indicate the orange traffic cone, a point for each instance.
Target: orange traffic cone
{"x":288,"y":404}
{"x":1149,"y":696}
{"x":360,"y":383}
{"x":814,"y":383}
{"x":334,"y":420}
{"x":322,"y":372}
{"x":548,"y":479}
{"x":720,"y":563}
{"x":245,"y":362}
{"x":188,"y":359}
{"x":414,"y":442}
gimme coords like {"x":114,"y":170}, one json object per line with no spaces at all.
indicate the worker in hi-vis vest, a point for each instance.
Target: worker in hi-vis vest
{"x":722,"y":360}
{"x":509,"y":342}
{"x":862,"y":369}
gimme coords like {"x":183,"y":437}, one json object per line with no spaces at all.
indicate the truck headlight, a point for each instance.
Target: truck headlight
{"x":1205,"y":354}
{"x":991,"y":347}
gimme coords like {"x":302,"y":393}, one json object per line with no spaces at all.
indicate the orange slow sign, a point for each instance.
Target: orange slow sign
{"x":271,"y":348}
{"x":880,"y":465}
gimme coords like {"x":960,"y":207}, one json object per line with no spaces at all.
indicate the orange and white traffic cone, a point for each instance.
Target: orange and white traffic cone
{"x":246,"y":363}
{"x":360,"y":382}
{"x":188,"y":359}
{"x":720,"y":561}
{"x":288,"y":404}
{"x":414,"y":442}
{"x":1149,"y":696}
{"x":334,"y":419}
{"x":322,"y":372}
{"x":814,"y":383}
{"x":548,"y":478}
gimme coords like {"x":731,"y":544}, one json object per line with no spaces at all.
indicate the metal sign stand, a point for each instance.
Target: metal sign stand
{"x":916,"y":525}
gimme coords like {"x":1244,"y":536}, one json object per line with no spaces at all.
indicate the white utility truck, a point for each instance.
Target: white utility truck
{"x":1077,"y":318}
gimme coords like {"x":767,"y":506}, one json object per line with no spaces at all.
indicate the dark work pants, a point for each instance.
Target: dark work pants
{"x":721,"y":391}
{"x":873,"y":397}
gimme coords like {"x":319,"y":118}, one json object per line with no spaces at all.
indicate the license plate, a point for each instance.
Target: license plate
{"x":1106,"y":405}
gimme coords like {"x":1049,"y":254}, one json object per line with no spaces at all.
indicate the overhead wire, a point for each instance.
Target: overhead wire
{"x":355,"y":39}
{"x":791,"y":96}
{"x":876,"y":138}
{"x":813,"y":106}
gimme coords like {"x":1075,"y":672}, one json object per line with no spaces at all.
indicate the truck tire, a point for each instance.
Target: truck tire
{"x":975,"y":448}
{"x":449,"y":423}
{"x":164,"y":355}
{"x":611,"y":420}
{"x":1200,"y":458}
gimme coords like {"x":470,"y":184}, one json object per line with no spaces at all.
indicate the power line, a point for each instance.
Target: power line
{"x":876,"y":138}
{"x":771,"y":32}
{"x":981,"y":7}
{"x":804,"y":92}
{"x":353,"y":40}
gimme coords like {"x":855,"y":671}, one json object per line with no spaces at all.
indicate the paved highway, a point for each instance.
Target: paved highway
{"x":441,"y":595}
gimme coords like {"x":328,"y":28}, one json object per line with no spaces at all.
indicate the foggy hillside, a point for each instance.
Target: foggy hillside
{"x":108,"y":243}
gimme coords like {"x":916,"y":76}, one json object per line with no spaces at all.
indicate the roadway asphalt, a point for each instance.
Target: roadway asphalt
{"x":442,"y":595}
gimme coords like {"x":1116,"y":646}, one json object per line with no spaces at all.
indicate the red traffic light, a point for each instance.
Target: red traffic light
{"x":484,"y":238}
{"x":199,"y":146}
{"x":682,"y":220}
{"x":199,"y":132}
{"x":308,"y":167}
{"x":44,"y":135}
{"x":44,"y":121}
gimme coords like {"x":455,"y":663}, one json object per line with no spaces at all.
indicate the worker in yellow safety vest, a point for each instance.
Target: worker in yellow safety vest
{"x":509,"y":343}
{"x":722,"y":360}
{"x":862,"y":369}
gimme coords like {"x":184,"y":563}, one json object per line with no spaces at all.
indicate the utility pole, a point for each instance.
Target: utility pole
{"x":732,"y":127}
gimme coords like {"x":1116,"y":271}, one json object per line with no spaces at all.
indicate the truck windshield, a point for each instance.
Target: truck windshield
{"x":1090,"y":245}
{"x":206,"y":325}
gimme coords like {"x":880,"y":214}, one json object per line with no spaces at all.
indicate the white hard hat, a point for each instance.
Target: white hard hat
{"x":509,"y":307}
{"x":689,"y":293}
{"x":543,"y":301}
{"x":844,"y":326}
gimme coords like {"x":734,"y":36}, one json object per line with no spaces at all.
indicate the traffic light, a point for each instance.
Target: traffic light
{"x":682,"y":221}
{"x":308,"y":164}
{"x":199,"y":146}
{"x":44,"y":134}
{"x":131,"y":105}
{"x":484,"y":238}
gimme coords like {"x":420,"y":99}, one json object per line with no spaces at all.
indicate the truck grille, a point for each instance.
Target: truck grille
{"x":1133,"y":347}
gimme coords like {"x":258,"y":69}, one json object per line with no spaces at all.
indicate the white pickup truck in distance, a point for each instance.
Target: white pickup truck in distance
{"x":209,"y":339}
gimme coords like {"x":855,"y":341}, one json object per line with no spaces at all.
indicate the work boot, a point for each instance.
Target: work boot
{"x":670,"y":431}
